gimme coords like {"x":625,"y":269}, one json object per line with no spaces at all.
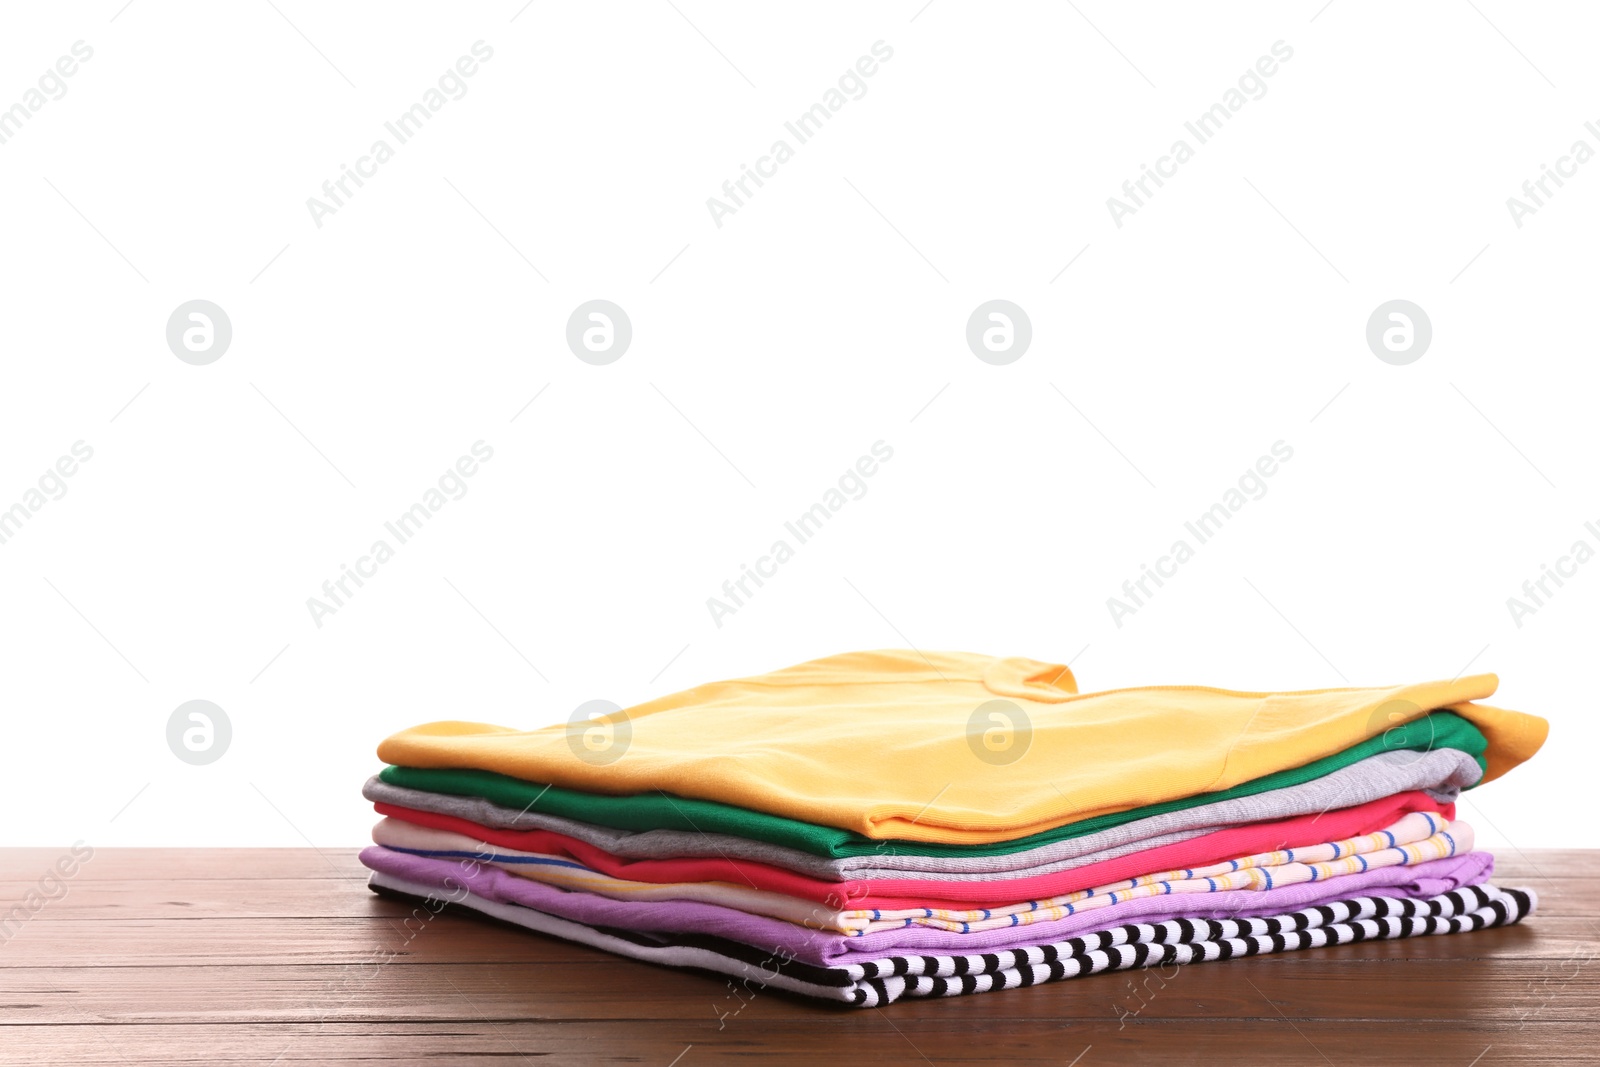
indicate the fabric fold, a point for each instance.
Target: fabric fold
{"x":1413,"y":839}
{"x":825,"y":948}
{"x":651,"y":811}
{"x":899,"y":744}
{"x":876,"y":826}
{"x":883,"y":980}
{"x":418,"y":831}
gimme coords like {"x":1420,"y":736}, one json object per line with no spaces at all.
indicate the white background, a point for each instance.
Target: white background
{"x":768,"y":354}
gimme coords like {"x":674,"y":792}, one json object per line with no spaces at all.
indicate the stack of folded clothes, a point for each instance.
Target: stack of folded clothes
{"x":880,"y":825}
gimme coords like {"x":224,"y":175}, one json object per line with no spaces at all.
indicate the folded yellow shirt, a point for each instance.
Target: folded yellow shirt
{"x":899,"y":744}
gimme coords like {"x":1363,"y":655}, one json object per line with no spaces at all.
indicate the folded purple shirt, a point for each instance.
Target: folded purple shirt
{"x":827,"y":948}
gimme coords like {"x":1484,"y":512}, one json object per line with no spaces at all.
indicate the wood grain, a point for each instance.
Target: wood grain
{"x":161,"y":956}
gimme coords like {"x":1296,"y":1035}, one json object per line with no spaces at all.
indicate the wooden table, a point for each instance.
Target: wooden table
{"x":267,"y":956}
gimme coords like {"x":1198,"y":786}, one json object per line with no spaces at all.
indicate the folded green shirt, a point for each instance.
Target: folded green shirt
{"x":641,"y":812}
